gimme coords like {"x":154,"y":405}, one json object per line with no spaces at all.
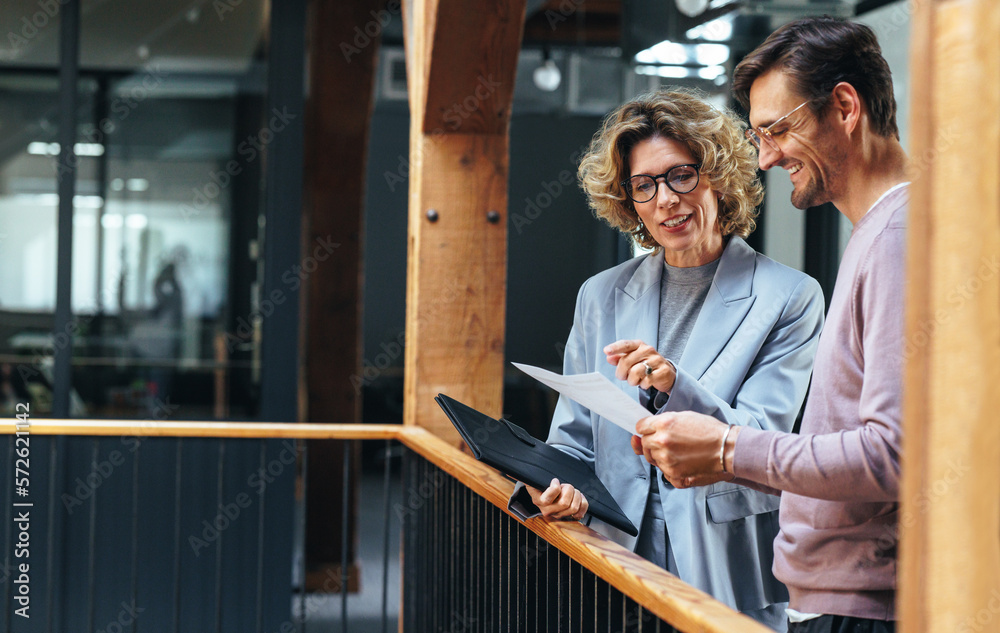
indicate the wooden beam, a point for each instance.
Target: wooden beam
{"x":338,"y":114}
{"x":949,"y":576}
{"x":461,"y":64}
{"x":471,"y":65}
{"x":343,"y":53}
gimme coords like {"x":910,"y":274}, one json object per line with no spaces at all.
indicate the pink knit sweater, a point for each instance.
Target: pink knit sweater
{"x":839,"y":477}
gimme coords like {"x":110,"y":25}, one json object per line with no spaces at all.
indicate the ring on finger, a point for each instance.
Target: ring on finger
{"x":649,"y":369}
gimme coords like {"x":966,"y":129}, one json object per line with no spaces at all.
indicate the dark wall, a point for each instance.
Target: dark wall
{"x":554,"y":242}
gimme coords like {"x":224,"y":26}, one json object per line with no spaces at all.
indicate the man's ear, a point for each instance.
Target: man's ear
{"x":845,"y":102}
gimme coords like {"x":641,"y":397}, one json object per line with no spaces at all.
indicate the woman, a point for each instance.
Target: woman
{"x":702,"y":323}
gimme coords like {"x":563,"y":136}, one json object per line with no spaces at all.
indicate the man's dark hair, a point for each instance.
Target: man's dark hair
{"x":818,"y":53}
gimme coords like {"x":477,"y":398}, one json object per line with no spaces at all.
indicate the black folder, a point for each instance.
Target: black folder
{"x":514,"y":452}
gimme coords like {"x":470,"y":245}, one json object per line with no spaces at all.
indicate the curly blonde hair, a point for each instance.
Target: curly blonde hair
{"x":715,"y":138}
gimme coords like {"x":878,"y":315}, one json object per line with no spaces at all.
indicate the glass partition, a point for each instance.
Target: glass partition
{"x":171,"y":137}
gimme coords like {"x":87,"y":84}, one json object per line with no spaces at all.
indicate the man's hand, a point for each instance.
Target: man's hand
{"x":685,"y":447}
{"x":559,"y":501}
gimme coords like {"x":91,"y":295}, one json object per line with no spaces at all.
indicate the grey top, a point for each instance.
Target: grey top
{"x":682,"y":293}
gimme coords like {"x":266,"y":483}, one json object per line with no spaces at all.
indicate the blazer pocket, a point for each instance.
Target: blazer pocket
{"x":738,"y":503}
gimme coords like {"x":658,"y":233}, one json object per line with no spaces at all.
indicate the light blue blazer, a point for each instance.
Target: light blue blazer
{"x":748,"y":361}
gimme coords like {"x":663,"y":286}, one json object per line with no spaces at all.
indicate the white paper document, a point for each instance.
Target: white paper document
{"x":595,"y":392}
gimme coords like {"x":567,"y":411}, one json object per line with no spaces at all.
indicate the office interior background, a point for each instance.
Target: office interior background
{"x":182,"y":292}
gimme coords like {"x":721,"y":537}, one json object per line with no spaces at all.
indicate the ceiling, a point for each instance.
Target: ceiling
{"x":176,"y":35}
{"x":206,"y":36}
{"x":635,"y":25}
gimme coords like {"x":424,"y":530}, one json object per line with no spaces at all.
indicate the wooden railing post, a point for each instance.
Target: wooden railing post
{"x":949,"y":576}
{"x":461,"y":62}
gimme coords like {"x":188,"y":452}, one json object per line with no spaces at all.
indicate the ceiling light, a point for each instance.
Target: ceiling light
{"x":692,"y":8}
{"x":711,"y":72}
{"x":670,"y":72}
{"x":711,"y":54}
{"x":88,"y":202}
{"x":38,"y":148}
{"x":137,"y":184}
{"x":719,"y":30}
{"x":52,"y":200}
{"x":112,"y":221}
{"x":547,"y":76}
{"x":666,"y":52}
{"x":43,"y":149}
{"x":88,"y":149}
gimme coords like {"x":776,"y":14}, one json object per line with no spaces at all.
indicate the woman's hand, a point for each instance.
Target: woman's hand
{"x":641,"y":365}
{"x":559,"y":501}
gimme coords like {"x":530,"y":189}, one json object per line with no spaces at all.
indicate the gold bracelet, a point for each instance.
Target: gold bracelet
{"x":722,"y":451}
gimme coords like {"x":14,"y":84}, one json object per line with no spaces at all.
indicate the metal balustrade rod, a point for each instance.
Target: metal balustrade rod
{"x":425,"y":554}
{"x":435,"y":555}
{"x":439,"y":555}
{"x":259,"y":589}
{"x":302,"y":618}
{"x":220,"y":474}
{"x":51,"y":540}
{"x":8,"y":596}
{"x":134,"y":580}
{"x":450,"y":544}
{"x":597,"y":610}
{"x":385,"y":536}
{"x":344,"y":508}
{"x":429,"y":531}
{"x":453,"y":572}
{"x":178,"y":471}
{"x":480,"y":505}
{"x":466,"y":564}
{"x":91,"y":543}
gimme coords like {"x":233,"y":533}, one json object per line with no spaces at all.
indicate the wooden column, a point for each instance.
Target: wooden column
{"x":461,"y":62}
{"x":342,"y":60}
{"x":949,"y":575}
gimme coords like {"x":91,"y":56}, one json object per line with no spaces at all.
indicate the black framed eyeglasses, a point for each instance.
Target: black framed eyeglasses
{"x":679,"y":178}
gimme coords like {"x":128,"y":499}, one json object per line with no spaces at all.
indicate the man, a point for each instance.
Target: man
{"x":821,"y":106}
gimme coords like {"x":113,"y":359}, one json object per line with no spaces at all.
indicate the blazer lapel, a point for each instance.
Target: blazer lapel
{"x":637,"y":310}
{"x":727,"y":304}
{"x":637,"y":303}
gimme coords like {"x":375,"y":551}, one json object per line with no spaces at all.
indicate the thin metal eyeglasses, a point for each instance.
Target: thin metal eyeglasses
{"x":755,"y":134}
{"x":679,"y":179}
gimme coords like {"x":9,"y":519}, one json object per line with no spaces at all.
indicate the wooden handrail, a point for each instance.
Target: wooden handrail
{"x":268,"y":430}
{"x":656,"y":590}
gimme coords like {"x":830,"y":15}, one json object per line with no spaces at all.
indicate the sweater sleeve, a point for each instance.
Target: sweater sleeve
{"x":858,"y":460}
